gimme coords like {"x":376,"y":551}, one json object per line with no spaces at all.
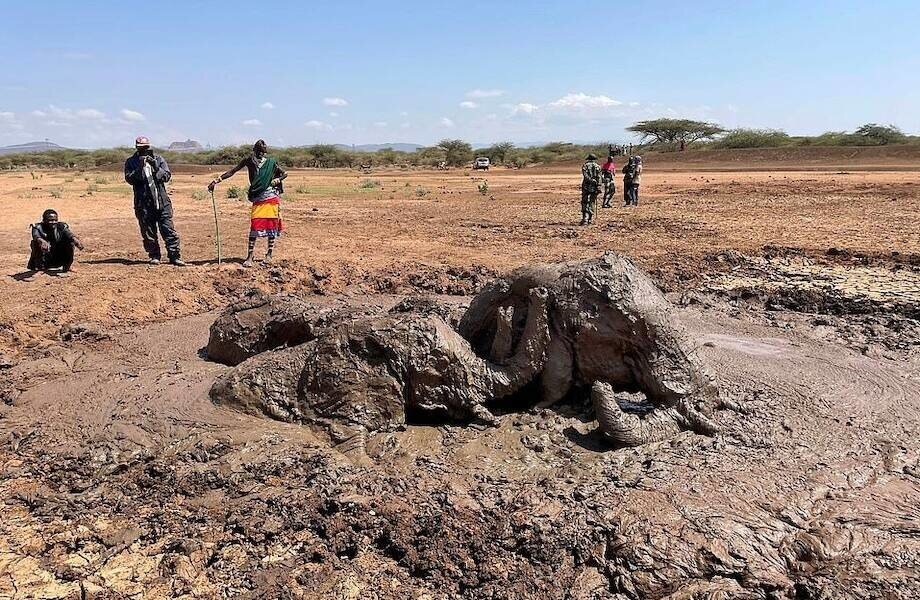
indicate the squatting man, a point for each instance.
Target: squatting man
{"x":52,"y":244}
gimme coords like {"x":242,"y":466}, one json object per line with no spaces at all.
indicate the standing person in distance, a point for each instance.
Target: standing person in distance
{"x":628,"y":172}
{"x":590,"y":186}
{"x":609,"y":173}
{"x":636,"y":179}
{"x":148,"y":173}
{"x":265,"y":189}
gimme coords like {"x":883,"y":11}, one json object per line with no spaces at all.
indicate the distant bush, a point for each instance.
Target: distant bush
{"x":56,"y":192}
{"x":753,"y":138}
{"x":421,"y":192}
{"x":665,"y":133}
{"x":369,"y":184}
{"x":302,"y":189}
{"x":483,"y":187}
{"x":102,"y":180}
{"x":234,"y":191}
{"x":199,"y":195}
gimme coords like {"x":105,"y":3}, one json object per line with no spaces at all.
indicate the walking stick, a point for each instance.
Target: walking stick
{"x":216,"y":226}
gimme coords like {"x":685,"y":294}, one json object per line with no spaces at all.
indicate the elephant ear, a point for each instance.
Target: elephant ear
{"x":478,"y":322}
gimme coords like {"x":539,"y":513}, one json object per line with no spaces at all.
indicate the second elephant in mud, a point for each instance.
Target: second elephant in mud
{"x":374,"y":372}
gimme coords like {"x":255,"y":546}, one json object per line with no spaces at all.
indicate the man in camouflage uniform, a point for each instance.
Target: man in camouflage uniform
{"x":590,"y":186}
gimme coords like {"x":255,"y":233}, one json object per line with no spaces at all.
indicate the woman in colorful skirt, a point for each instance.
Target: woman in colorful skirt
{"x":265,"y":189}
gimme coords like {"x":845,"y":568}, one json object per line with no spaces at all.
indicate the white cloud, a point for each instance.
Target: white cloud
{"x":68,"y":114}
{"x":268,"y":106}
{"x":333,"y":114}
{"x":405,"y":125}
{"x":132,"y":115}
{"x":335,"y":101}
{"x":380,"y":124}
{"x":252,"y":123}
{"x":7,"y":116}
{"x":468,"y":104}
{"x":404,"y":114}
{"x":485,"y":93}
{"x":580,"y":101}
{"x":90,"y":113}
{"x":445,"y":122}
{"x":314,"y":124}
{"x":523,"y":108}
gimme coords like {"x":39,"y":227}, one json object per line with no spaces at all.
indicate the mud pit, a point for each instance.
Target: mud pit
{"x":119,"y":477}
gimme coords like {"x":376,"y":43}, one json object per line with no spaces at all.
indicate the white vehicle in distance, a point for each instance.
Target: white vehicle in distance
{"x":482,"y":163}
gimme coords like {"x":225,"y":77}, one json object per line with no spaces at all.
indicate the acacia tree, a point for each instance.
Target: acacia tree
{"x":497,"y":152}
{"x":881,"y":135}
{"x":457,"y":152}
{"x":670,"y":131}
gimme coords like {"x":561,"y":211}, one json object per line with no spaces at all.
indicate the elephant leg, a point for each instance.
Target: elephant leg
{"x":503,"y":343}
{"x":556,"y":378}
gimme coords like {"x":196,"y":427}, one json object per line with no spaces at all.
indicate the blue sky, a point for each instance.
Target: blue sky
{"x":92,"y":74}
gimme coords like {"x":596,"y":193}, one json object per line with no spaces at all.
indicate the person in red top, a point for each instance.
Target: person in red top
{"x":608,"y":172}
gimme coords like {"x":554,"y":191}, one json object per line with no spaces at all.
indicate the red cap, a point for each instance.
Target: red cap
{"x":141,"y":141}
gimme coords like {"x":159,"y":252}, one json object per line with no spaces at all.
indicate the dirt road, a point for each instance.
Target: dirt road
{"x":119,"y":478}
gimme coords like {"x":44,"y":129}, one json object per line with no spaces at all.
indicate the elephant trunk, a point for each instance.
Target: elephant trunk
{"x":626,"y":429}
{"x":491,"y":381}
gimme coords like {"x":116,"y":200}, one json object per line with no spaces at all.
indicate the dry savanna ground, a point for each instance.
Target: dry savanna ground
{"x":393,"y":230}
{"x":797,"y":276}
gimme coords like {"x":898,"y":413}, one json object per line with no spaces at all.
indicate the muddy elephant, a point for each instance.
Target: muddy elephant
{"x":599,"y":325}
{"x":375,"y":372}
{"x":611,"y":330}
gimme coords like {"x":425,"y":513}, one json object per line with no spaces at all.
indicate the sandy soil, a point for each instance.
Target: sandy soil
{"x":424,"y":231}
{"x":120,"y":479}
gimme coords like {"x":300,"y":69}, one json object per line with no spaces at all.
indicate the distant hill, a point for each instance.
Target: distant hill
{"x":30,"y":148}
{"x":377,"y":147}
{"x":186,"y":146}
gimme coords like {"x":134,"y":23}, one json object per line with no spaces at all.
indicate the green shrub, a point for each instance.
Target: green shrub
{"x":753,"y":138}
{"x":421,"y":192}
{"x":369,"y":184}
{"x":302,"y":189}
{"x":483,"y":187}
{"x":234,"y":191}
{"x":199,"y":195}
{"x":56,"y":192}
{"x":101,"y":180}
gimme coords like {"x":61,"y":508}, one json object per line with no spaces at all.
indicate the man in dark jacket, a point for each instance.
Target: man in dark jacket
{"x":148,"y":173}
{"x":52,"y":244}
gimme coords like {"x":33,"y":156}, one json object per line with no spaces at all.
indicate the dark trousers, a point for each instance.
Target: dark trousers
{"x":59,"y":255}
{"x":588,"y":205}
{"x":149,"y":219}
{"x":610,"y":188}
{"x":631,"y":194}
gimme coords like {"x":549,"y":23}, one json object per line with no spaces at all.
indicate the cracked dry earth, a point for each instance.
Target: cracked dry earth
{"x":120,"y":479}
